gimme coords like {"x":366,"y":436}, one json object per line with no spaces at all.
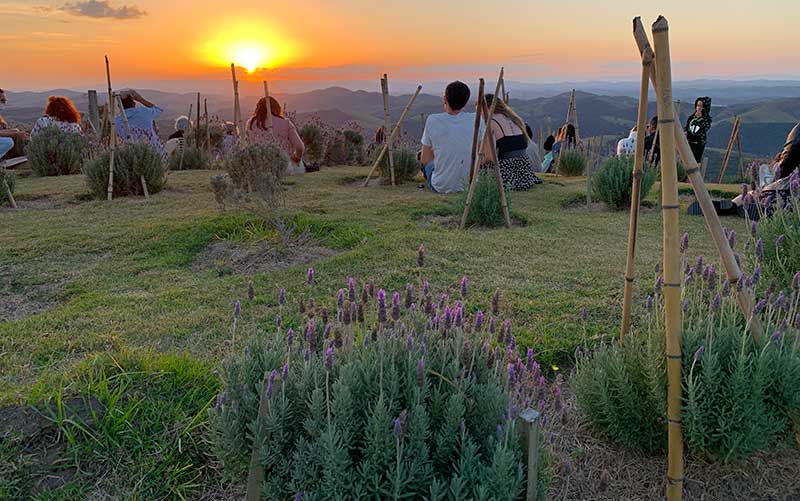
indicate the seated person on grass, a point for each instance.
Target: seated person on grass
{"x":447,"y":142}
{"x":7,"y":134}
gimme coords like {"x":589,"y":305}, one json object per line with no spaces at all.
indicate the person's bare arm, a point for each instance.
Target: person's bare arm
{"x":136,"y":97}
{"x":427,"y":155}
{"x":297,"y":143}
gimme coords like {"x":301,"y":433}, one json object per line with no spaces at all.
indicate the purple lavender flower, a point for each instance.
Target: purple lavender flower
{"x":529,"y":359}
{"x":584,"y":315}
{"x":421,"y":372}
{"x":310,"y":276}
{"x":507,"y":328}
{"x":458,"y":316}
{"x":699,"y":353}
{"x":398,"y":429}
{"x":306,"y":354}
{"x":382,"y":306}
{"x":410,"y":342}
{"x":796,"y":281}
{"x":282,"y":297}
{"x":421,"y":256}
{"x":426,"y":288}
{"x":442,"y":300}
{"x":327,"y":333}
{"x":753,"y":227}
{"x":492,"y":327}
{"x":794,"y":183}
{"x":760,"y":250}
{"x":779,"y":241}
{"x":329,"y":358}
{"x":340,"y":299}
{"x":278,"y":321}
{"x":448,"y":317}
{"x":285,"y":372}
{"x":698,"y":269}
{"x":271,"y":382}
{"x":499,"y":432}
{"x":760,"y":307}
{"x":496,"y":302}
{"x":298,"y":496}
{"x":478,"y":321}
{"x":685,"y":241}
{"x":351,"y":289}
{"x":289,"y":337}
{"x":659,"y":284}
{"x":715,"y":303}
{"x":464,"y":282}
{"x":237,"y":310}
{"x":689,"y":277}
{"x":658,"y":268}
{"x":685,"y":305}
{"x":756,"y":275}
{"x":649,"y":304}
{"x":797,"y":322}
{"x":732,"y":239}
{"x":396,"y":306}
{"x":511,"y":373}
{"x":360,"y":313}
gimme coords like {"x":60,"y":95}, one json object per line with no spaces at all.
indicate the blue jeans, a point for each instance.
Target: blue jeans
{"x":6,"y":143}
{"x":427,"y":171}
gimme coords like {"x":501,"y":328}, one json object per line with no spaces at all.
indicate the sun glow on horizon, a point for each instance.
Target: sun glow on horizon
{"x":250,"y":46}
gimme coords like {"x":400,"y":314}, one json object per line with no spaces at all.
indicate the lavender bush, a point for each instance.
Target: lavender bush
{"x":375,"y":394}
{"x":741,"y":394}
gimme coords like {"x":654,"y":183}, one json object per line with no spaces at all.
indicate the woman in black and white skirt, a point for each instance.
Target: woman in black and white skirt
{"x":511,"y":139}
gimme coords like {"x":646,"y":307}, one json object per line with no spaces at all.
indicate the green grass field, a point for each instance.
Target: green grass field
{"x":118,"y":312}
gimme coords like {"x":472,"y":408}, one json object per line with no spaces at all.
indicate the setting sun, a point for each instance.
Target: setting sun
{"x":250,"y":46}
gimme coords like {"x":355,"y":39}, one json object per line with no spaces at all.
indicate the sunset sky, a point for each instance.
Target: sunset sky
{"x":48,"y":44}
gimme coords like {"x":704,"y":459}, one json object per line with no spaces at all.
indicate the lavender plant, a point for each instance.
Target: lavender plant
{"x":382,"y":400}
{"x":780,"y":236}
{"x":54,"y":152}
{"x":132,"y":162}
{"x":741,"y":394}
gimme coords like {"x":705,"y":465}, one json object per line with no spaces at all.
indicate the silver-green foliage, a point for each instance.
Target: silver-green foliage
{"x":613,"y":182}
{"x":412,"y":408}
{"x":132,"y":162}
{"x":193,"y":158}
{"x":314,"y":142}
{"x":406,"y":165}
{"x":8,"y":182}
{"x":571,"y":163}
{"x":254,"y":175}
{"x":780,"y":239}
{"x":53,"y":152}
{"x":740,"y":395}
{"x":486,"y":208}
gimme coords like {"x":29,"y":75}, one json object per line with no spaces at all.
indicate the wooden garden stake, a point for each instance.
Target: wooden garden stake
{"x":118,"y":102}
{"x":633,"y":225}
{"x":670,"y":206}
{"x":110,"y":193}
{"x":386,"y":121}
{"x":541,"y":144}
{"x":269,"y":106}
{"x":393,"y":134}
{"x":475,"y":128}
{"x":729,"y":149}
{"x":732,"y":270}
{"x":488,"y":139}
{"x":208,"y":126}
{"x":94,"y":111}
{"x":197,"y":124}
{"x":528,"y":422}
{"x":739,"y":148}
{"x":237,"y":110}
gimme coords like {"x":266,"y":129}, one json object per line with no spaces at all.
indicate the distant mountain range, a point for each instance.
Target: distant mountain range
{"x":766,"y":119}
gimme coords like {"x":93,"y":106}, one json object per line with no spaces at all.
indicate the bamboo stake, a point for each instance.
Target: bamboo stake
{"x":393,"y":134}
{"x":541,"y":144}
{"x":197,"y":124}
{"x":577,"y":133}
{"x":475,"y":128}
{"x":729,"y":149}
{"x":110,"y":192}
{"x":739,"y":148}
{"x":732,"y":270}
{"x":386,"y":121}
{"x":633,"y":226}
{"x":237,"y":111}
{"x":486,"y":138}
{"x":208,"y":126}
{"x":269,"y":106}
{"x":672,"y":271}
{"x":94,"y":110}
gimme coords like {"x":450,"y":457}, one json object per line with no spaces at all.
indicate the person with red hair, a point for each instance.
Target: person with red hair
{"x":283,"y":133}
{"x":60,"y":112}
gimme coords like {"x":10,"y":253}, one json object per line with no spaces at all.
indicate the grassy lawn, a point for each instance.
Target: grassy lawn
{"x":117,"y":307}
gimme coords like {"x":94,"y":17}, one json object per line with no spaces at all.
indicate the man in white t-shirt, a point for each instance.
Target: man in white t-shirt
{"x":447,"y":142}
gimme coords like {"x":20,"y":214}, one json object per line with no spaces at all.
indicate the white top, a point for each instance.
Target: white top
{"x":46,"y":121}
{"x":627,"y":146}
{"x":450,"y":136}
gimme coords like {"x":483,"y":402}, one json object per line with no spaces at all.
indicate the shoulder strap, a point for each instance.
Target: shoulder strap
{"x":498,"y":124}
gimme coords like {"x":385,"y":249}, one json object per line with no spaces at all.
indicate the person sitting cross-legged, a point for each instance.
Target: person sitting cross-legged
{"x":447,"y":142}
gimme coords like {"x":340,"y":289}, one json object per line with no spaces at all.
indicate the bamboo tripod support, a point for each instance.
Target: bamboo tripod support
{"x":732,"y":270}
{"x":479,"y":156}
{"x":197,"y":124}
{"x":393,"y":134}
{"x":670,"y":207}
{"x":739,"y":149}
{"x":647,"y":68}
{"x":475,"y":129}
{"x":237,"y":110}
{"x":127,"y":128}
{"x":387,"y":122}
{"x":208,"y":126}
{"x":113,"y":140}
{"x":729,"y":149}
{"x":571,"y":113}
